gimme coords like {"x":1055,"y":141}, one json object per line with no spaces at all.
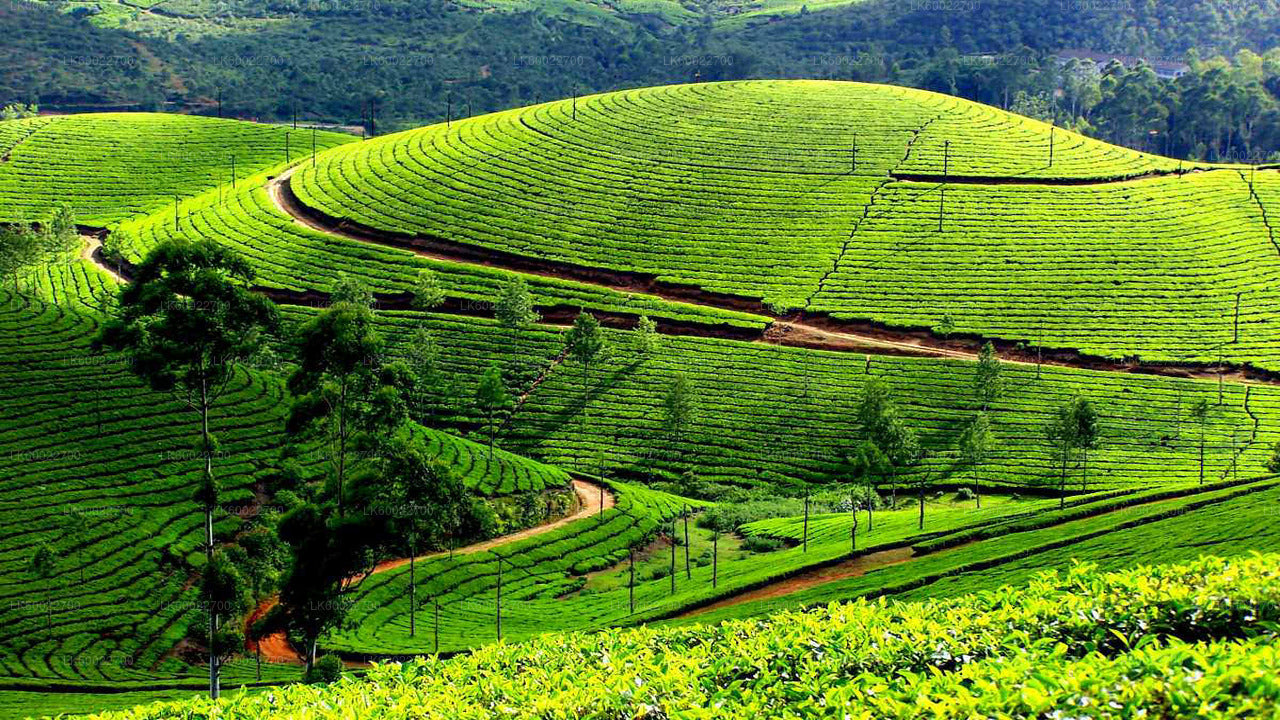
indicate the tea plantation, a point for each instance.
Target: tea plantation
{"x":802,"y":247}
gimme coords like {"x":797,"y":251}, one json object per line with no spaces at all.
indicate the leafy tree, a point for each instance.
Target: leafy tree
{"x":514,"y":311}
{"x":866,"y":463}
{"x":19,"y":251}
{"x":584,"y":342}
{"x":18,"y":111}
{"x":329,"y":556}
{"x":224,"y":591}
{"x":262,"y":558}
{"x":339,"y":387}
{"x":492,"y":399}
{"x":187,"y":320}
{"x":113,"y":248}
{"x":40,"y":566}
{"x":645,"y":337}
{"x":1200,"y":413}
{"x":350,"y":290}
{"x":1273,"y":462}
{"x":514,"y":308}
{"x":988,"y":385}
{"x":1086,"y":434}
{"x":426,"y":502}
{"x":60,"y":236}
{"x":976,"y":443}
{"x":427,"y":293}
{"x":877,"y":416}
{"x":430,"y":391}
{"x":679,"y":406}
{"x":1073,"y":428}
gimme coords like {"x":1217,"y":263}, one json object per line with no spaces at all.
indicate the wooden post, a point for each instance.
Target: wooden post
{"x":1052,"y":129}
{"x":946,"y":158}
{"x":287,"y":156}
{"x":175,"y":213}
{"x":688,"y":573}
{"x":673,"y":556}
{"x":631,"y":586}
{"x":715,"y":557}
{"x":294,"y":107}
{"x":498,"y":607}
{"x":942,"y":202}
{"x":806,"y":521}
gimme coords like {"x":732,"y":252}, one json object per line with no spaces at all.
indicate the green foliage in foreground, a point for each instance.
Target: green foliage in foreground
{"x":1181,"y":641}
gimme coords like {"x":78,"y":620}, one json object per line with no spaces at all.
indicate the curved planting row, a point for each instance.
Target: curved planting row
{"x":81,"y":439}
{"x":466,"y":585}
{"x":773,"y":206}
{"x":101,"y":470}
{"x":1192,"y":639}
{"x":768,"y":414}
{"x":110,"y":166}
{"x":1150,"y":268}
{"x":290,"y":256}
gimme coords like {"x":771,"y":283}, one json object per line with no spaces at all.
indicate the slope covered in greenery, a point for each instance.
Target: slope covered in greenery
{"x":952,"y":213}
{"x":780,"y":416}
{"x":109,"y":166}
{"x":1194,"y":639}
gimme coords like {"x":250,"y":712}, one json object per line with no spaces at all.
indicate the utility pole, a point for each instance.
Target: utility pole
{"x":942,"y":201}
{"x":715,"y":557}
{"x":175,"y":213}
{"x":287,"y":156}
{"x":294,"y":107}
{"x":673,"y":556}
{"x":806,"y":520}
{"x":498,"y":607}
{"x":688,"y":573}
{"x":1219,"y":373}
{"x":631,"y":586}
{"x":1052,"y":129}
{"x":946,"y":158}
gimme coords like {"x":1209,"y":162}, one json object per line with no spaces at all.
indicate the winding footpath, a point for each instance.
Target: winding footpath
{"x":592,"y":499}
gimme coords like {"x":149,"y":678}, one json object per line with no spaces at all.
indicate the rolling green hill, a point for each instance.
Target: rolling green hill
{"x":111,"y":166}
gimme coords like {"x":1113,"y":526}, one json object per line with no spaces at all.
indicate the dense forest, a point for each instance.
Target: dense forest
{"x":406,"y":63}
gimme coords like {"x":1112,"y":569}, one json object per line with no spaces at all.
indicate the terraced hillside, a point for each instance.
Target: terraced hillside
{"x":109,"y":166}
{"x":1190,"y":639}
{"x":947,"y":214}
{"x":782,"y":416}
{"x":81,"y":438}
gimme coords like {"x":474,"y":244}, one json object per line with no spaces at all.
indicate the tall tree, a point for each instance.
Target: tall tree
{"x":514,"y":311}
{"x":988,"y":385}
{"x":585,"y":343}
{"x":427,"y":293}
{"x":430,"y":395}
{"x":425,"y":499}
{"x":877,"y":416}
{"x":1200,"y":413}
{"x":976,"y":443}
{"x":645,"y":337}
{"x":492,"y":399}
{"x":19,"y":251}
{"x":339,"y":381}
{"x":329,"y":556}
{"x":187,"y":321}
{"x":1086,"y":435}
{"x":866,"y":464}
{"x":678,"y":409}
